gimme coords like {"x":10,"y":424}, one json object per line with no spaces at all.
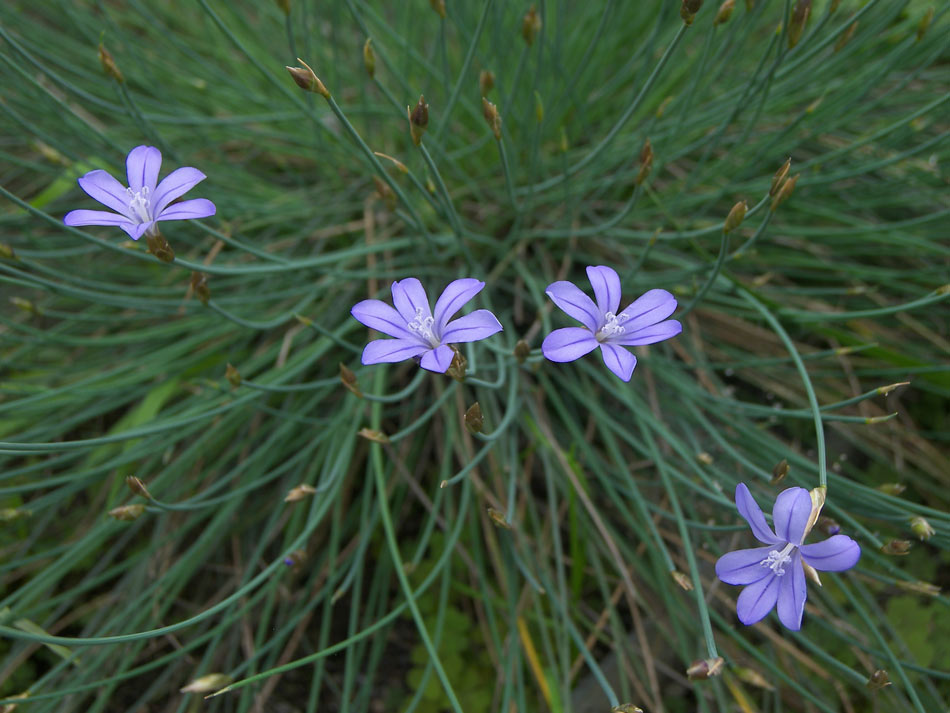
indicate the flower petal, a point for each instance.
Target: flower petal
{"x":568,"y":344}
{"x":136,"y":230}
{"x":188,"y":210}
{"x":648,"y":335}
{"x":409,"y":297}
{"x":757,"y":599}
{"x":142,"y":165}
{"x":438,"y":359}
{"x":835,"y":554}
{"x":651,"y":307}
{"x":478,"y":325}
{"x":743,"y":566}
{"x":606,"y":284}
{"x":174,"y":185}
{"x":791,"y":513}
{"x":378,"y":315}
{"x":792,"y":593}
{"x":575,"y":303}
{"x":455,"y":295}
{"x":618,"y":360}
{"x":381,"y":351}
{"x":752,"y":514}
{"x":105,"y":189}
{"x":94,"y":217}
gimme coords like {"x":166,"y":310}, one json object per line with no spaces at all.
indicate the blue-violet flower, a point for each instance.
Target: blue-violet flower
{"x":418,"y":331}
{"x":775,"y":575}
{"x":643,"y":322}
{"x":140,"y":206}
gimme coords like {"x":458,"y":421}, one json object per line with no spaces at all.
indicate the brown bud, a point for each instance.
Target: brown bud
{"x":373,"y":435}
{"x":682,"y":580}
{"x":418,"y":120}
{"x":896,"y":547}
{"x":878,"y":680}
{"x":307,"y":79}
{"x":127,"y":513}
{"x":925,"y":23}
{"x":158,"y":246}
{"x":522,"y":350}
{"x":490,"y":111}
{"x":6,"y":252}
{"x":892,"y":488}
{"x":780,"y":471}
{"x":689,"y":9}
{"x":108,"y":64}
{"x":846,"y":36}
{"x":300,"y":492}
{"x":531,"y":25}
{"x":439,"y":7}
{"x":137,"y":486}
{"x":207,"y":684}
{"x":796,"y":24}
{"x":920,"y":527}
{"x":784,"y":192}
{"x":369,"y":57}
{"x":486,"y":81}
{"x":626,"y":708}
{"x":704,"y":668}
{"x":233,"y":376}
{"x":646,"y":162}
{"x":499,"y":517}
{"x":284,"y":6}
{"x":349,"y":380}
{"x":779,"y":176}
{"x":199,"y":285}
{"x":458,"y":366}
{"x":473,"y":418}
{"x":725,"y":12}
{"x":735,"y":217}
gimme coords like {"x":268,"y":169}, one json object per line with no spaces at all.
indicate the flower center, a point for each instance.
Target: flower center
{"x":613,"y":325}
{"x":422,"y":325}
{"x":138,"y":204}
{"x":776,"y":560}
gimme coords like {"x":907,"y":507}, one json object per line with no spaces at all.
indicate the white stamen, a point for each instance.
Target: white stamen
{"x":139,"y":204}
{"x":613,"y":325}
{"x":776,"y":560}
{"x":422,"y":325}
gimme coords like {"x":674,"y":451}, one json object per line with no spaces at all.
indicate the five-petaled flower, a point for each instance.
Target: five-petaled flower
{"x":643,"y":322}
{"x":138,"y":207}
{"x":775,"y":574}
{"x":419,"y":331}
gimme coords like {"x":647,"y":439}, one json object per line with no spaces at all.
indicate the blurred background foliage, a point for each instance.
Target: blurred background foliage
{"x":562,"y":558}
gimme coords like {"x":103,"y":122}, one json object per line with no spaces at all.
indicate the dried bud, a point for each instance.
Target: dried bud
{"x":920,"y":527}
{"x":785,"y":191}
{"x":925,"y":23}
{"x":458,"y":366}
{"x":796,"y":25}
{"x":704,"y":458}
{"x":439,"y":7}
{"x":753,"y":677}
{"x":689,"y":9}
{"x":531,"y":25}
{"x":349,"y":380}
{"x":646,"y":162}
{"x":626,"y":708}
{"x":682,"y":580}
{"x":779,"y":176}
{"x":301,"y":492}
{"x":158,"y":246}
{"x":418,"y":120}
{"x":538,"y":107}
{"x":725,"y":12}
{"x":199,"y":285}
{"x":486,"y":81}
{"x":892,"y":488}
{"x":885,"y":390}
{"x":111,"y":68}
{"x":369,"y":57}
{"x":780,"y":471}
{"x":127,"y":513}
{"x":307,"y":79}
{"x":473,"y":418}
{"x":373,"y":435}
{"x":284,"y":6}
{"x":522,"y":350}
{"x":735,"y":217}
{"x":878,"y":680}
{"x":846,"y":36}
{"x":896,"y":547}
{"x":499,"y":517}
{"x":493,"y":118}
{"x":829,"y":526}
{"x":918,"y":587}
{"x":6,"y":252}
{"x":233,"y":376}
{"x":137,"y":486}
{"x":207,"y":684}
{"x":704,"y":668}
{"x":818,"y":497}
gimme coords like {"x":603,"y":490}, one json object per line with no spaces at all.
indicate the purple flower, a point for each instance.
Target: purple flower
{"x":640,"y":323}
{"x":417,"y":330}
{"x":138,"y":207}
{"x":775,"y":574}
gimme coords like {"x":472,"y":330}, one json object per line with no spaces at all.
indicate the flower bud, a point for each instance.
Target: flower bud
{"x":127,"y":513}
{"x":923,"y":529}
{"x":158,"y":246}
{"x":522,"y":350}
{"x":780,"y":471}
{"x":473,"y":418}
{"x":307,"y":80}
{"x":284,"y":6}
{"x":373,"y":435}
{"x":300,"y":492}
{"x":207,"y":684}
{"x":892,"y":488}
{"x":111,"y":68}
{"x":369,"y":57}
{"x":646,"y":162}
{"x":779,"y":176}
{"x":458,"y":366}
{"x":137,"y":486}
{"x":878,"y":680}
{"x":704,"y":668}
{"x":490,"y":111}
{"x":785,"y":191}
{"x":725,"y":12}
{"x":896,"y":547}
{"x":233,"y":376}
{"x":925,"y":23}
{"x":199,"y":285}
{"x":689,"y":9}
{"x":735,"y":217}
{"x":531,"y":25}
{"x":486,"y":81}
{"x":349,"y":380}
{"x":846,"y":36}
{"x":439,"y":7}
{"x":704,"y":458}
{"x":419,"y":120}
{"x":796,"y":25}
{"x":626,"y":708}
{"x":682,"y":580}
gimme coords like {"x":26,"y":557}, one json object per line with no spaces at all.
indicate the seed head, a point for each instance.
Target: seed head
{"x":137,"y":486}
{"x":896,"y":547}
{"x":785,"y":191}
{"x":878,"y":680}
{"x":779,"y":176}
